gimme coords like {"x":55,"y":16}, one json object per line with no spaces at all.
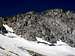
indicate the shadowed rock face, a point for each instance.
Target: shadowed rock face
{"x":50,"y":25}
{"x":2,"y":28}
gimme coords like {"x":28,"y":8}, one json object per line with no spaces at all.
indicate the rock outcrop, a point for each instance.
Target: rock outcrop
{"x":50,"y":25}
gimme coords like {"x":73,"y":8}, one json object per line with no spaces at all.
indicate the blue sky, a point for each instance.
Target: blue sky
{"x":12,"y":7}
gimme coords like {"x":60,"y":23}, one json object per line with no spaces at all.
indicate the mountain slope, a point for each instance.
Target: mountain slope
{"x":18,"y":46}
{"x":51,"y":25}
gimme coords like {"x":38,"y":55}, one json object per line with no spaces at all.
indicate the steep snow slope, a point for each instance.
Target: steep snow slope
{"x":18,"y":46}
{"x":9,"y":29}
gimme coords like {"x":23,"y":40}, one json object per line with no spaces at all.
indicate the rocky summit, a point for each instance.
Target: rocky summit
{"x":50,"y":25}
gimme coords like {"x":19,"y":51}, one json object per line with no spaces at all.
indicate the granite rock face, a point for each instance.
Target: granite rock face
{"x":50,"y":25}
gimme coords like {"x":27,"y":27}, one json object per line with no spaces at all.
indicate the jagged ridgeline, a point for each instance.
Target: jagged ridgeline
{"x":50,"y":25}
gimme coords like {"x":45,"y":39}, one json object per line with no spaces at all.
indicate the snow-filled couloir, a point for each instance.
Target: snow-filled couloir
{"x":13,"y":45}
